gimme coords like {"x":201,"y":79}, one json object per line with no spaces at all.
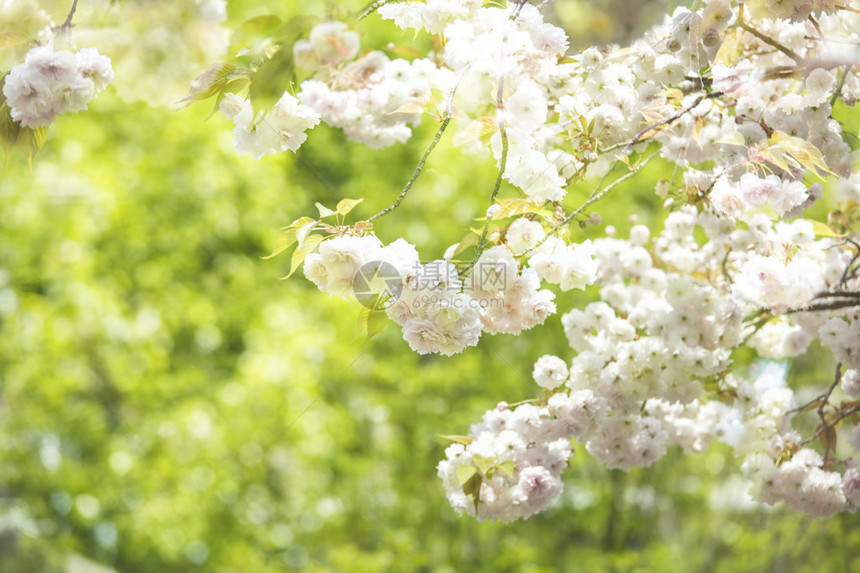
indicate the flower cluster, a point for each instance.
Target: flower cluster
{"x":436,"y":310}
{"x":842,"y":334}
{"x":740,"y":97}
{"x":434,"y":315}
{"x":52,"y":82}
{"x":334,"y":268}
{"x":516,"y":456}
{"x":374,"y":99}
{"x":265,"y":132}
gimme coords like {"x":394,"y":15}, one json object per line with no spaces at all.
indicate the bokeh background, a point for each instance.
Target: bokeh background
{"x":168,"y":405}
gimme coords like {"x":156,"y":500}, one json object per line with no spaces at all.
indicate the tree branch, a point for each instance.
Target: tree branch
{"x":68,"y":23}
{"x":597,"y":195}
{"x":824,"y":401}
{"x":669,"y":120}
{"x":446,"y":119}
{"x":502,"y":164}
{"x":769,"y":41}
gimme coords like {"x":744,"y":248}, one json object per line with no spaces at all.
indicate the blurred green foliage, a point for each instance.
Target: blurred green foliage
{"x":167,"y":405}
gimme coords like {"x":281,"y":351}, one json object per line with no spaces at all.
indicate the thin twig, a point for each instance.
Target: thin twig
{"x":640,"y":136}
{"x":826,"y":306}
{"x":68,"y":23}
{"x":829,"y":391}
{"x":838,"y":294}
{"x":371,"y":8}
{"x":593,"y":198}
{"x":771,"y":42}
{"x":817,"y":27}
{"x":838,"y":91}
{"x":446,"y":119}
{"x":846,"y":275}
{"x":502,"y":165}
{"x":826,"y":426}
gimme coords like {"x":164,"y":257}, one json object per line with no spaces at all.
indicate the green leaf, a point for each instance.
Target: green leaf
{"x":405,"y":51}
{"x":278,"y":73}
{"x":468,"y":241}
{"x":303,"y":230}
{"x":823,"y":230}
{"x":472,"y":488}
{"x":8,"y":127}
{"x":253,"y":31}
{"x":284,"y":242}
{"x":465,"y":473}
{"x":376,"y":323}
{"x":302,"y":251}
{"x":12,"y":39}
{"x":272,"y":79}
{"x":295,"y":28}
{"x":512,"y":207}
{"x":802,"y":151}
{"x":732,"y":138}
{"x":209,"y":82}
{"x":324,"y":211}
{"x":361,"y":323}
{"x":30,"y":140}
{"x":344,"y":206}
{"x":484,"y":464}
{"x":481,"y":129}
{"x":298,"y":222}
{"x":236,"y":86}
{"x":507,"y":467}
{"x":465,"y":440}
{"x":728,"y":52}
{"x":370,"y":323}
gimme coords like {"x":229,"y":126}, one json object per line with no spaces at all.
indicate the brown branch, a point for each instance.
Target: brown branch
{"x":824,"y":401}
{"x":669,"y":120}
{"x":68,"y":23}
{"x":838,"y":91}
{"x":770,"y":41}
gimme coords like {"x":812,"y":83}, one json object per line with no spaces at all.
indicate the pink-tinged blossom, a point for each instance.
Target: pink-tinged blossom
{"x":772,"y":283}
{"x":753,"y":194}
{"x":53,"y":82}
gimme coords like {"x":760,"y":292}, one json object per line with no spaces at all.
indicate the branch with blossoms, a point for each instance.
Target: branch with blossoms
{"x":743,"y":100}
{"x":446,"y":119}
{"x":740,"y":98}
{"x":503,"y":162}
{"x":48,"y":83}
